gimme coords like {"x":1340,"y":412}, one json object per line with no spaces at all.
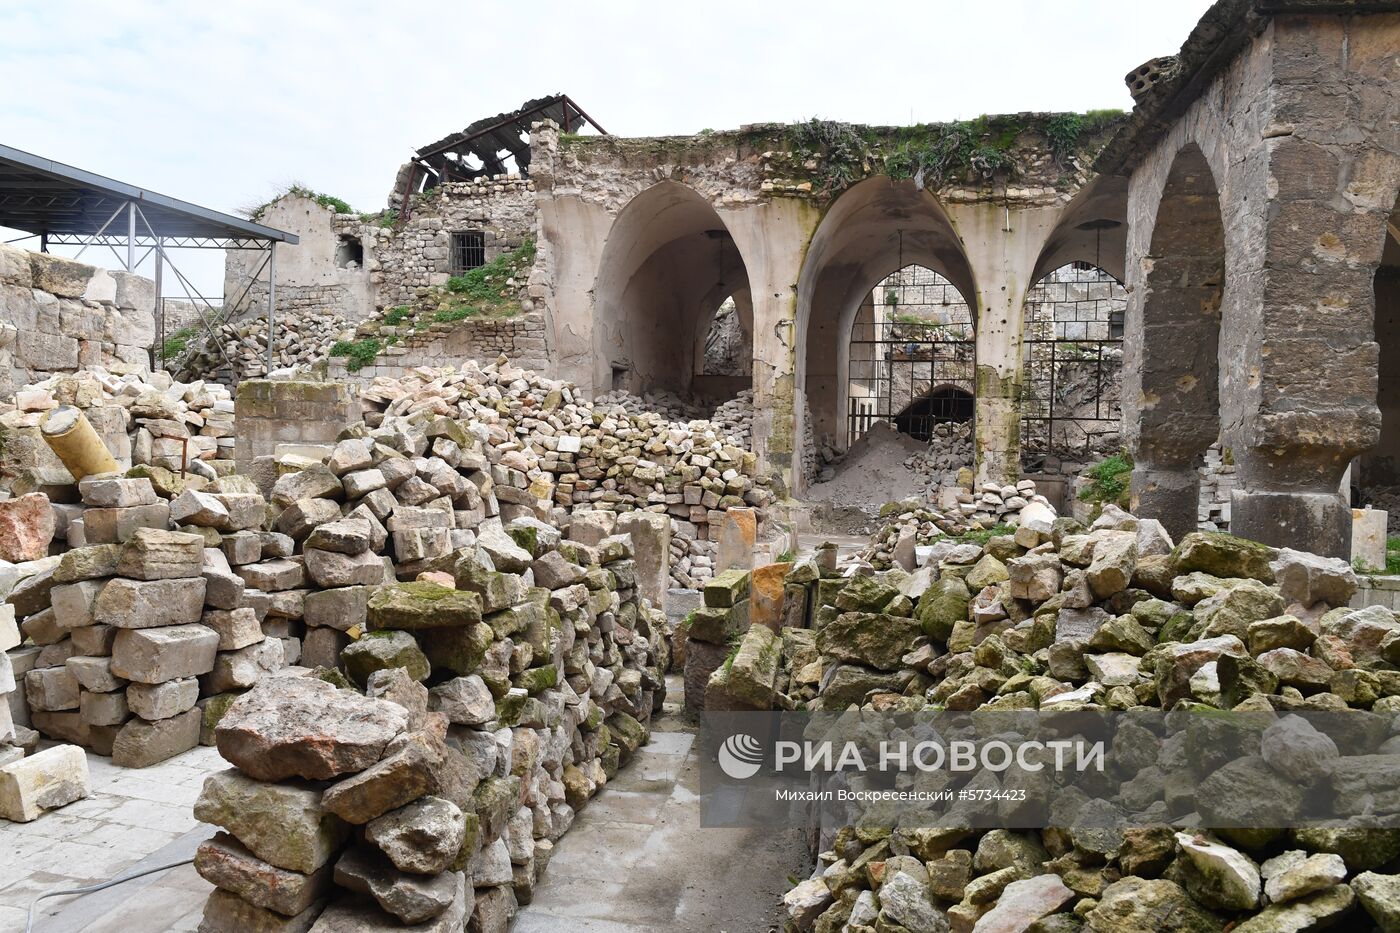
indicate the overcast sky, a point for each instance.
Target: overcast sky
{"x":225,"y":104}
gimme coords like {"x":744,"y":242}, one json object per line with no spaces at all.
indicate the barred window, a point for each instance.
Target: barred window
{"x":468,"y":251}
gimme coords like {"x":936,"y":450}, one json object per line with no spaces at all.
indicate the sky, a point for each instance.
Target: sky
{"x":226,"y":104}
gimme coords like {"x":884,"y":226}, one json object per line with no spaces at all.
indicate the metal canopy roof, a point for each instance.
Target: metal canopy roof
{"x":40,"y":196}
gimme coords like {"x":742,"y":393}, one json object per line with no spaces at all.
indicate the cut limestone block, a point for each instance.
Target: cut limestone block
{"x":153,"y":655}
{"x":149,"y":603}
{"x":47,"y":780}
{"x":141,"y":744}
{"x":163,"y":700}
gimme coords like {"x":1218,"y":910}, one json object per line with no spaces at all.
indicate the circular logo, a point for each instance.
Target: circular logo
{"x":740,"y":756}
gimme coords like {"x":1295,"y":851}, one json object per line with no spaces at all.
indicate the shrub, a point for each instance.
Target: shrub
{"x":1109,"y":480}
{"x":358,"y":353}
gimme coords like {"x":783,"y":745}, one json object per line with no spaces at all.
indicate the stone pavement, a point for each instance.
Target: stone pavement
{"x":637,"y":859}
{"x":131,"y":815}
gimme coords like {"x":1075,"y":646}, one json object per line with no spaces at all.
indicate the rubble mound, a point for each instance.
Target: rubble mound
{"x":237,"y":350}
{"x":873,"y":472}
{"x":1190,"y":819}
{"x":918,"y":525}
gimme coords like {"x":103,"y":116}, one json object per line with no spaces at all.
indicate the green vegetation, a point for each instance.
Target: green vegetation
{"x":787,"y":557}
{"x":935,"y":154}
{"x":175,"y":344}
{"x":455,"y":314}
{"x":395,"y":316}
{"x":359,"y":353}
{"x":325,"y":200}
{"x":1109,"y":480}
{"x":487,"y":284}
{"x":984,"y":535}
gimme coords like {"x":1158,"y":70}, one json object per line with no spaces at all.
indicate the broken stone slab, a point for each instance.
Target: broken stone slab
{"x":384,"y":650}
{"x":361,"y":914}
{"x":162,"y":700}
{"x":87,"y":563}
{"x":43,"y":781}
{"x":399,"y":779}
{"x":464,"y":700}
{"x":139,"y":604}
{"x":342,"y":608}
{"x":304,"y":727}
{"x":103,"y":709}
{"x":304,"y":515}
{"x":284,"y":824}
{"x":425,"y":837}
{"x":156,"y":554}
{"x":192,"y":507}
{"x":271,"y":576}
{"x":237,"y":628}
{"x":226,"y":863}
{"x":112,"y":491}
{"x":51,"y":689}
{"x":347,"y":536}
{"x":414,"y":606}
{"x":141,"y":744}
{"x":1306,"y":579}
{"x":114,"y":526}
{"x":154,"y":655}
{"x":411,"y":898}
{"x":331,"y":569}
{"x":226,"y":912}
{"x":26,"y":527}
{"x":236,"y":670}
{"x":93,"y":673}
{"x":74,"y":603}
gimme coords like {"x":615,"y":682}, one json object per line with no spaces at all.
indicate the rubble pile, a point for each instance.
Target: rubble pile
{"x":949,"y":453}
{"x":550,"y":448}
{"x":481,"y":706}
{"x":912,"y":524}
{"x":1112,"y":617}
{"x":143,"y":418}
{"x":238,"y":348}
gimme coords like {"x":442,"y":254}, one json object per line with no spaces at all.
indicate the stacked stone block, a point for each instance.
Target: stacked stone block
{"x":479,"y":708}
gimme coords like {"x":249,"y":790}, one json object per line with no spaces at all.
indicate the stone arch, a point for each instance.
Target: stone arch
{"x":1376,"y":474}
{"x":872,"y":230}
{"x":668,"y":262}
{"x":1171,"y":388}
{"x":1073,"y":318}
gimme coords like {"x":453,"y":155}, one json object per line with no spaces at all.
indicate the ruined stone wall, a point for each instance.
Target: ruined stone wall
{"x":57,"y":315}
{"x":417,"y":254}
{"x":1298,"y":136}
{"x":521,"y":339}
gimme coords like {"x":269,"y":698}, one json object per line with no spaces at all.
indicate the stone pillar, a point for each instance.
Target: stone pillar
{"x":1169,"y":493}
{"x":651,"y":544}
{"x":1002,"y":242}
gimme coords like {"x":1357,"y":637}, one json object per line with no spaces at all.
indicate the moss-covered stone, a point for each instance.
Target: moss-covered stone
{"x":942,"y":606}
{"x":1223,"y":555}
{"x":414,"y":606}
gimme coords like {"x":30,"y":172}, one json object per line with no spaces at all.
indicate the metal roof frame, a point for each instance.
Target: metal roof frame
{"x":62,"y":203}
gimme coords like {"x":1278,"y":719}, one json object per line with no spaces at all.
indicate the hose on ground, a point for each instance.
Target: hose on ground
{"x":91,"y":888}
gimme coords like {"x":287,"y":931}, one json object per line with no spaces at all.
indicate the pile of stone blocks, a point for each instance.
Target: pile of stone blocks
{"x":131,"y":631}
{"x":476,"y":710}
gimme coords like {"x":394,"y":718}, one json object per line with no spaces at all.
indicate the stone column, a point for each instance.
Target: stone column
{"x":1002,"y":243}
{"x":651,"y":543}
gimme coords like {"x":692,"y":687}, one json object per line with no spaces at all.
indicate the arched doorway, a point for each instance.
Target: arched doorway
{"x":1172,"y":371}
{"x":872,"y":231}
{"x":1071,"y":387}
{"x":912,"y":356}
{"x":1375,"y":479}
{"x":668,"y":265}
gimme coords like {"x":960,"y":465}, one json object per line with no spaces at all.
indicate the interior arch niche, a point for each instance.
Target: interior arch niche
{"x":872,"y":230}
{"x":1171,"y":385}
{"x":1376,"y":473}
{"x":668,"y":265}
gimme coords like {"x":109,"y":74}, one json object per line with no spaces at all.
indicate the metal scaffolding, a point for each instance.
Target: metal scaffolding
{"x":65,"y":206}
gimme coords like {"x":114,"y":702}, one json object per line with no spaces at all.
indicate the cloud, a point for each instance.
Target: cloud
{"x":222,"y":104}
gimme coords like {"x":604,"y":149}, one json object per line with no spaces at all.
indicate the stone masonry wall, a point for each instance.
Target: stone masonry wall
{"x":57,"y":315}
{"x":521,"y":339}
{"x":417,"y":254}
{"x":270,"y":412}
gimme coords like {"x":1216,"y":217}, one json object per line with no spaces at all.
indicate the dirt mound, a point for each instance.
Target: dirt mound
{"x":873,"y":472}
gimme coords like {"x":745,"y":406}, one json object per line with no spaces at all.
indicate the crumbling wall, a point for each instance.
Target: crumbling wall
{"x":417,"y":254}
{"x":57,"y":315}
{"x":521,"y":339}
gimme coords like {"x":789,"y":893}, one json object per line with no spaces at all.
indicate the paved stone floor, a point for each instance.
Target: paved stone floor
{"x":131,"y":816}
{"x":635,"y":860}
